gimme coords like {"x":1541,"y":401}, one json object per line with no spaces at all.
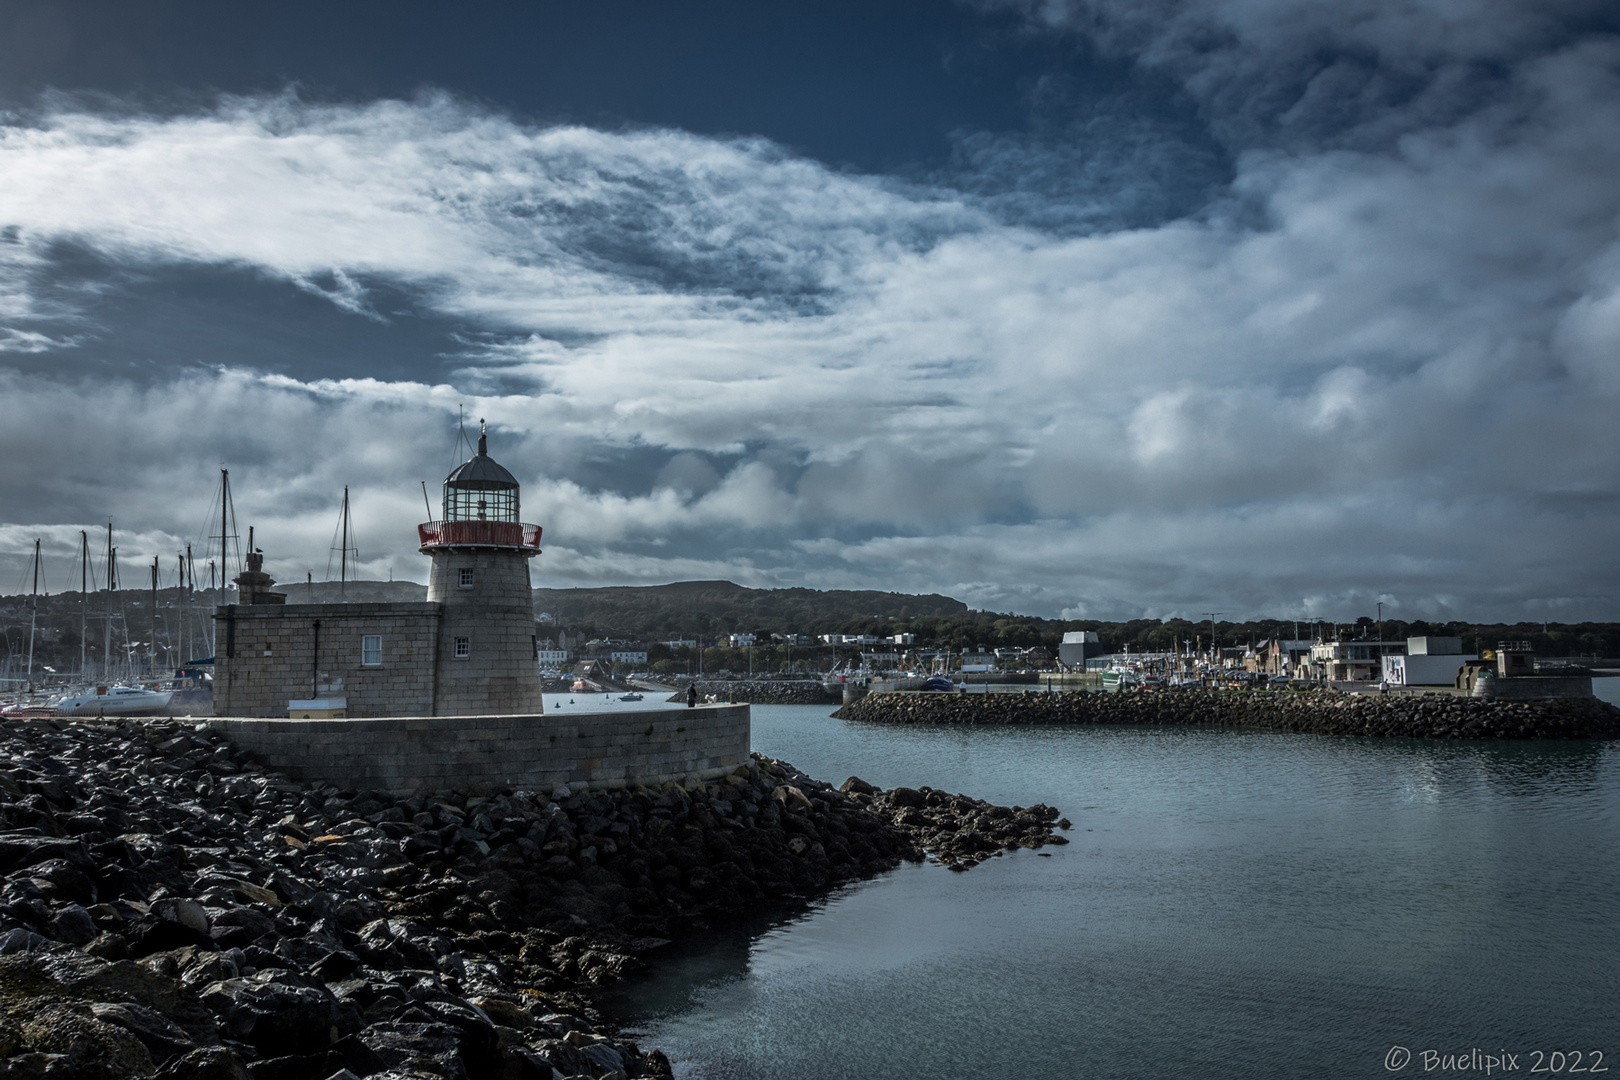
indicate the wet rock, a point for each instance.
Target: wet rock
{"x":96,"y":1050}
{"x":170,"y":898}
{"x":280,"y":1011}
{"x":72,"y":924}
{"x":1321,"y":712}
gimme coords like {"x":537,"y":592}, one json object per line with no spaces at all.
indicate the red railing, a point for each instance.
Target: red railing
{"x":506,"y":534}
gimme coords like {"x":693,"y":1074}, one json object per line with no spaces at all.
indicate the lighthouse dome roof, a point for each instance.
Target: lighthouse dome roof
{"x":481,"y":472}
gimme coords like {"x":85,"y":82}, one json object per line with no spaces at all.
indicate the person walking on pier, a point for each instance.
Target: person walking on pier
{"x":691,"y":696}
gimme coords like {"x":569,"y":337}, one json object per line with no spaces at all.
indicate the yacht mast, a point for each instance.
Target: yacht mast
{"x":33,"y":614}
{"x":343,"y":562}
{"x":84,"y":601}
{"x":106,"y":641}
{"x":152,"y":652}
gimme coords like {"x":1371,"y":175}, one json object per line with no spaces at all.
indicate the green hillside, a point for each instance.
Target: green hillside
{"x":707,"y":608}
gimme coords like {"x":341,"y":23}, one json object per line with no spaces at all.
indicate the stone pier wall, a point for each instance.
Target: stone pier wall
{"x":1534,"y":688}
{"x":488,"y":753}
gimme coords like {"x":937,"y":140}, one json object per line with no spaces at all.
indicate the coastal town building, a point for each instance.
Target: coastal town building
{"x":1429,"y":661}
{"x":1351,"y":661}
{"x":469,"y":649}
{"x":1077,"y":647}
{"x":1281,"y":658}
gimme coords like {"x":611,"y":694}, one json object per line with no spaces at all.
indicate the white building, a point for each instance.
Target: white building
{"x":1429,"y":661}
{"x":1352,"y":661}
{"x":740,"y":641}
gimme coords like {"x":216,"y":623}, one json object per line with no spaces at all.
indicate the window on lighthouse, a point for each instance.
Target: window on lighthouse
{"x":477,"y":504}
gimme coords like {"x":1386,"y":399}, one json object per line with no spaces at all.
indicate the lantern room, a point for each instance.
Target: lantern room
{"x":480,"y":509}
{"x":481,"y":489}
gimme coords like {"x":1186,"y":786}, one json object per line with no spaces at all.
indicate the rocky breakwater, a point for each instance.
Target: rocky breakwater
{"x":763,"y":691}
{"x":959,"y":831}
{"x":168,"y":908}
{"x":1419,"y":716}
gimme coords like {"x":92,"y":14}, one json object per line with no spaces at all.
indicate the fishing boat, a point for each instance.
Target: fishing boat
{"x":940,"y":683}
{"x":116,"y":701}
{"x":1122,"y":675}
{"x":632,"y":696}
{"x":836,"y":679}
{"x":32,"y":709}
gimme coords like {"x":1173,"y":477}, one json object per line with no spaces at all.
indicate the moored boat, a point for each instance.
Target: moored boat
{"x":116,"y":701}
{"x":1121,"y":675}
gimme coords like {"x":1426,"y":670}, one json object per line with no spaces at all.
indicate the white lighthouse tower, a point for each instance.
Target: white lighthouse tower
{"x":480,"y":577}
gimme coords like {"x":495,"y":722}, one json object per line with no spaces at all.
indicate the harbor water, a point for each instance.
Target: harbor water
{"x":1231,"y":904}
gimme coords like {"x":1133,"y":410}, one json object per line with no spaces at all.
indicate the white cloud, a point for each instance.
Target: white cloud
{"x":1366,"y":370}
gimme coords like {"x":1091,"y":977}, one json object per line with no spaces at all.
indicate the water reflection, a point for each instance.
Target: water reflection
{"x":1233,"y":903}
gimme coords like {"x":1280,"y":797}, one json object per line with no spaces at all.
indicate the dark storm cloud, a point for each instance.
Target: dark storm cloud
{"x":1318,"y":308}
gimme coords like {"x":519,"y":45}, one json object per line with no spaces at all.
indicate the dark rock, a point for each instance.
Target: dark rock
{"x":96,"y":1050}
{"x":161,"y":1036}
{"x":208,"y":1064}
{"x":435,"y":1046}
{"x":277,"y":1012}
{"x":296,"y":931}
{"x":24,"y":941}
{"x":73,"y":925}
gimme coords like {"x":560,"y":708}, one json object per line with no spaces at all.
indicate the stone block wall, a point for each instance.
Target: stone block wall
{"x":270,"y":654}
{"x":487,"y":753}
{"x":495,"y":614}
{"x":1533,"y":687}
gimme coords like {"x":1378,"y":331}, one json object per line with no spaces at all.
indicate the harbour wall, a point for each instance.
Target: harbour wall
{"x":476,"y":754}
{"x":1422,"y":716}
{"x":765,"y":691}
{"x":1534,"y":688}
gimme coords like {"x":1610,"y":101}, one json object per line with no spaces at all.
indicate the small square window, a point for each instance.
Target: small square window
{"x":466,"y":577}
{"x":370,"y":650}
{"x":463,"y":648}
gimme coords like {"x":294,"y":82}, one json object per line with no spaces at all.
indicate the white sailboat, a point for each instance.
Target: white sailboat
{"x":116,"y":701}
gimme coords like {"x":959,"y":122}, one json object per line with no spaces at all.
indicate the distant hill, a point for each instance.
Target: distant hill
{"x":354,"y":592}
{"x":714,"y":607}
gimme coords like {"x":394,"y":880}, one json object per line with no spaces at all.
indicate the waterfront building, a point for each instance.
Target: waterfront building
{"x":1285,"y":658}
{"x":1429,"y":661}
{"x":1077,"y":647}
{"x":550,"y":657}
{"x":470,"y":649}
{"x":1352,"y":661}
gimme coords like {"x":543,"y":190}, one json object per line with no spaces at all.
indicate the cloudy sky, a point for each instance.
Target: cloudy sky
{"x":1082,"y":307}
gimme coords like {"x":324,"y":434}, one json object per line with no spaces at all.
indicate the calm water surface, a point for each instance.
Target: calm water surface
{"x":1232,"y":904}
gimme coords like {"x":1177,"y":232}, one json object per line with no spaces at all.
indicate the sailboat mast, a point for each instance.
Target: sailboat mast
{"x":152,"y":652}
{"x":343,"y":561}
{"x":84,"y":602}
{"x":183,"y":636}
{"x":33,"y":614}
{"x":224,"y":509}
{"x":106,"y":641}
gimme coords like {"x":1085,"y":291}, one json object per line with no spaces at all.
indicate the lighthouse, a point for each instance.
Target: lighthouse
{"x":480,"y":578}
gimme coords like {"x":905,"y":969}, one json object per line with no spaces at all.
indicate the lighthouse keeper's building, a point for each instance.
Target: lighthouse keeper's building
{"x":469,"y":650}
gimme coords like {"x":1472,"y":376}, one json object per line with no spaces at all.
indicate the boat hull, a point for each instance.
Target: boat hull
{"x":140,"y":703}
